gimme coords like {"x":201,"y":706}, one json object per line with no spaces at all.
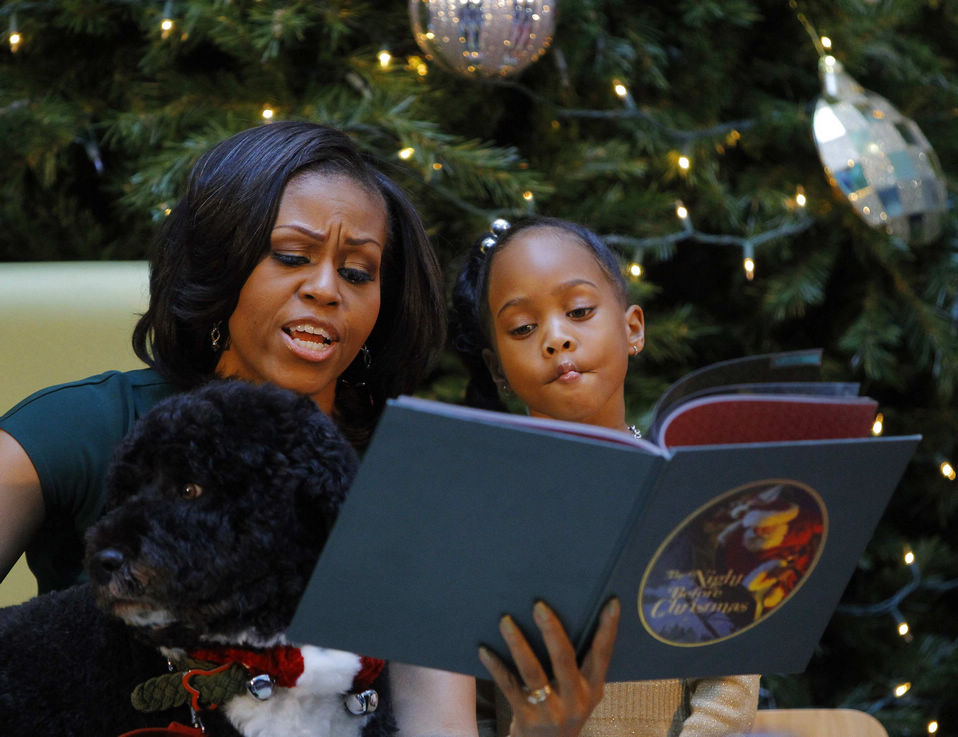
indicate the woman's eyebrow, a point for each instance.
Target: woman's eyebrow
{"x":318,"y":235}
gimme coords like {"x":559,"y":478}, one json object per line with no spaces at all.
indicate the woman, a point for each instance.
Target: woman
{"x":292,"y":260}
{"x":214,"y":242}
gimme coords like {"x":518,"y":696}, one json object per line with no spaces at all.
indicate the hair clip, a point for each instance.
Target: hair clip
{"x":498,"y":227}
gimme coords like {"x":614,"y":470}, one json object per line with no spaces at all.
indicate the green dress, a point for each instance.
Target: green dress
{"x":70,"y":432}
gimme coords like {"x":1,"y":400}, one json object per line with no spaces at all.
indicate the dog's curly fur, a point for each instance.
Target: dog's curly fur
{"x":218,"y":504}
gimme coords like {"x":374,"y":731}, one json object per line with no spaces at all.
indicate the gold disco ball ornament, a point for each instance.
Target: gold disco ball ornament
{"x":878,"y":159}
{"x":483,"y":38}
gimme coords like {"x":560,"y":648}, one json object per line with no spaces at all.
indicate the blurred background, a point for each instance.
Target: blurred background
{"x":774,"y":175}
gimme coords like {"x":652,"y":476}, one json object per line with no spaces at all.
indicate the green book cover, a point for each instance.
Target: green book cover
{"x":459,"y":515}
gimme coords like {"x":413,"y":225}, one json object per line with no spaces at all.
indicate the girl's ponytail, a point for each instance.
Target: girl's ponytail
{"x":466,"y":332}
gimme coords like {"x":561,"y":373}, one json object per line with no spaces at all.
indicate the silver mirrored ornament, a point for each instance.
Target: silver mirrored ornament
{"x":483,"y":38}
{"x":879,"y":159}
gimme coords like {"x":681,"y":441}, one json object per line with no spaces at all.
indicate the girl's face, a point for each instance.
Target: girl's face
{"x":310,"y":304}
{"x":562,"y":336}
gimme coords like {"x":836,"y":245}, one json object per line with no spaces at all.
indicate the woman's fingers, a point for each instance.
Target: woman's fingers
{"x":565,"y":667}
{"x":500,"y":672}
{"x":596,"y":662}
{"x":530,"y":669}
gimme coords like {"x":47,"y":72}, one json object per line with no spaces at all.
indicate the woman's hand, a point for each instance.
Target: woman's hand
{"x":559,"y":708}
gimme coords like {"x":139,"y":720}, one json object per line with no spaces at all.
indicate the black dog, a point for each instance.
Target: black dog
{"x":218,"y":505}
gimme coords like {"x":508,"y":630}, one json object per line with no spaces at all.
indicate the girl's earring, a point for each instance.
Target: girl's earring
{"x":633,"y":350}
{"x":215,"y":336}
{"x":367,"y":356}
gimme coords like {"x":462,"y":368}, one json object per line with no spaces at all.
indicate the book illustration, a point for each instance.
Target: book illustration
{"x":733,"y":562}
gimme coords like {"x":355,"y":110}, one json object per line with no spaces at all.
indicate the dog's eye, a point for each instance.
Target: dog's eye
{"x":190,"y":491}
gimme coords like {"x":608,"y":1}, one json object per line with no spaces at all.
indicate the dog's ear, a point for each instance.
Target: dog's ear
{"x":165,"y":437}
{"x":132,"y":459}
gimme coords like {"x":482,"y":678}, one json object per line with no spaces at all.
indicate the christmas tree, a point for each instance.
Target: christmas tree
{"x":690,"y":134}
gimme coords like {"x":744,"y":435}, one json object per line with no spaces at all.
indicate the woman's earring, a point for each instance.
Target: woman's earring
{"x":367,"y":357}
{"x":504,"y":388}
{"x":633,"y":350}
{"x":215,"y":336}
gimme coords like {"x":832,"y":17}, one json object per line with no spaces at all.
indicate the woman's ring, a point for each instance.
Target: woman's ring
{"x":538,"y":695}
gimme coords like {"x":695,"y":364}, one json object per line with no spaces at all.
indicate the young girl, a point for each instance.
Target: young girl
{"x":540,"y":310}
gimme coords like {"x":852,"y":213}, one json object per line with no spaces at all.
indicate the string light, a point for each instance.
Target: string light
{"x":623,"y":93}
{"x":384,"y":58}
{"x":416,"y":64}
{"x":903,"y":628}
{"x":437,"y":166}
{"x":800,"y":199}
{"x":902,"y":688}
{"x":635,"y":269}
{"x":826,"y":42}
{"x":16,"y":38}
{"x":267,"y":113}
{"x":879,"y":424}
{"x":406,"y":153}
{"x":947,"y":470}
{"x":748,"y":261}
{"x":684,"y":163}
{"x":681,"y":211}
{"x":909,"y":557}
{"x":932,"y":727}
{"x":528,"y":196}
{"x":166,"y":25}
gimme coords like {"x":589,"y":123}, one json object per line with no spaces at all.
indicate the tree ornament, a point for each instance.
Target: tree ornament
{"x":483,"y":38}
{"x":879,"y":159}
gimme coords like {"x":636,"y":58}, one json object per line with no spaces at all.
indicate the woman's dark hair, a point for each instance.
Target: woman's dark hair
{"x":469,"y":328}
{"x":220,"y":230}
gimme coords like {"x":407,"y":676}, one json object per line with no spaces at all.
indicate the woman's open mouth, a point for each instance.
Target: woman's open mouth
{"x":311,"y":341}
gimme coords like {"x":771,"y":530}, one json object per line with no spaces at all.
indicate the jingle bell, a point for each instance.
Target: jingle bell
{"x":365,"y":702}
{"x":261,"y":686}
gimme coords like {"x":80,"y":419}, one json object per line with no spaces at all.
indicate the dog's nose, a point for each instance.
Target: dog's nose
{"x":107,"y":562}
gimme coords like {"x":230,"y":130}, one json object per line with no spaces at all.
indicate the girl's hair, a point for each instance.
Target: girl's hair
{"x":220,"y":230}
{"x":469,"y":324}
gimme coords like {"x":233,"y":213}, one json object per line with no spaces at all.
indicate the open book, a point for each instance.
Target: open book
{"x":727,"y":558}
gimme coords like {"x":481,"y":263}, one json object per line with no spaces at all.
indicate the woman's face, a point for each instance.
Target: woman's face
{"x":310,"y":304}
